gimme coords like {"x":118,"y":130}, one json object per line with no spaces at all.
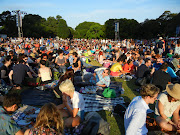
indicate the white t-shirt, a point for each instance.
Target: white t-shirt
{"x":169,"y":107}
{"x":77,"y":101}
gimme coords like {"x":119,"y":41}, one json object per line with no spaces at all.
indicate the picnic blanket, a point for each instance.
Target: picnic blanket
{"x":33,"y":96}
{"x":95,"y":102}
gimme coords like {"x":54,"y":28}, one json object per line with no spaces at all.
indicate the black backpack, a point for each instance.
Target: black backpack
{"x":120,"y":109}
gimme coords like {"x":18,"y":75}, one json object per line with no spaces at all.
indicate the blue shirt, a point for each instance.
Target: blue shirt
{"x":135,"y":117}
{"x":7,"y":125}
{"x":157,"y":66}
{"x":171,"y":72}
{"x":102,"y":80}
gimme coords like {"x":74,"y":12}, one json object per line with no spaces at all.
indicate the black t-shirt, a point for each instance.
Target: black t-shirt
{"x":142,"y":71}
{"x":113,"y":57}
{"x":19,"y":73}
{"x":160,"y":44}
{"x":76,"y":63}
{"x":161,"y":79}
{"x":7,"y":73}
{"x":4,"y":68}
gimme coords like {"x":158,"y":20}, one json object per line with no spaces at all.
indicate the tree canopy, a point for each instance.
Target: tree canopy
{"x":36,"y":26}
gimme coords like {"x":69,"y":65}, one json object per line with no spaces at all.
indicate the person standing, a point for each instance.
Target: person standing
{"x":136,"y":113}
{"x":161,"y":46}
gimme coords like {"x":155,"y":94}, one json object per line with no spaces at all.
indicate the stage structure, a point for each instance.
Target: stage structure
{"x":19,"y":21}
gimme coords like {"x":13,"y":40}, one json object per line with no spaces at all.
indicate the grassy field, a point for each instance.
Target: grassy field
{"x":116,"y":122}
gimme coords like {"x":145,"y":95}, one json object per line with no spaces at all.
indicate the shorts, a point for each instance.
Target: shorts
{"x":155,"y":116}
{"x":114,"y":73}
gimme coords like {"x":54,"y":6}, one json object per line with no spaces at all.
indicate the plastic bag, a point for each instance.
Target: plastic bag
{"x":109,"y":93}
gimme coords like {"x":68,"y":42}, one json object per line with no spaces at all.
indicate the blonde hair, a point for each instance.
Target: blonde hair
{"x":49,"y":116}
{"x":66,"y":86}
{"x":149,"y":90}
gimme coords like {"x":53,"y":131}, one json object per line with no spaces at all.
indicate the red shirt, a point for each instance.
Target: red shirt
{"x":128,"y":68}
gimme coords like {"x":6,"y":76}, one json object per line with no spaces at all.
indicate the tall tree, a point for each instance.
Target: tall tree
{"x":32,"y":26}
{"x":63,"y":29}
{"x":82,"y":28}
{"x":95,"y":32}
{"x":8,"y":23}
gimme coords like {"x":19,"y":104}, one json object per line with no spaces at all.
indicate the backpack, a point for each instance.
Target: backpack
{"x":94,"y":124}
{"x":120,"y":109}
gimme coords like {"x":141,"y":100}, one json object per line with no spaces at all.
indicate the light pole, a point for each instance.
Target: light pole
{"x":19,"y":21}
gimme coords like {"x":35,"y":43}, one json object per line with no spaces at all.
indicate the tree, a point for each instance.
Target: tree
{"x":63,"y":30}
{"x":32,"y":26}
{"x":82,"y":28}
{"x":8,"y":23}
{"x":95,"y":32}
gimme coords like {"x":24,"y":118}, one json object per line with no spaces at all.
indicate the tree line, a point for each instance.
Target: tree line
{"x":37,"y":26}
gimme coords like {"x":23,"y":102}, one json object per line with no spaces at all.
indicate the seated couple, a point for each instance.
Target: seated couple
{"x":117,"y":69}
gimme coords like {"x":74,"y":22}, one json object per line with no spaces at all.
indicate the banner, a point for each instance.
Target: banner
{"x":117,"y":27}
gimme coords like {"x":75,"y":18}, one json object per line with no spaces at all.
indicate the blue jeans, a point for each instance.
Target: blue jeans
{"x":81,"y":114}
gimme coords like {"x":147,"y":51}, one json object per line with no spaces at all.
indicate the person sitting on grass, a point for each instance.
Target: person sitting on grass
{"x":45,"y":72}
{"x":18,"y":73}
{"x":116,"y":69}
{"x":129,"y":67}
{"x":8,"y":126}
{"x":136,"y":113}
{"x":48,"y":122}
{"x":167,"y":108}
{"x":74,"y":103}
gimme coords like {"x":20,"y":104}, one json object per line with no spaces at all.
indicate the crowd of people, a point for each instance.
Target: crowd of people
{"x":153,"y":63}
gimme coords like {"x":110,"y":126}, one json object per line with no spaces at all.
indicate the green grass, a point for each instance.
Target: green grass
{"x":116,"y":122}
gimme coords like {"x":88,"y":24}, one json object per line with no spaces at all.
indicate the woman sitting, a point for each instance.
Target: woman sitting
{"x":167,"y":108}
{"x":101,"y":57}
{"x":116,"y":69}
{"x":48,"y":122}
{"x":68,"y":75}
{"x":44,"y":72}
{"x":74,"y":103}
{"x":129,"y":66}
{"x":76,"y":62}
{"x":61,"y":61}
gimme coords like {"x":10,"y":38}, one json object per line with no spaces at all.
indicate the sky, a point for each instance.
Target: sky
{"x":78,"y":11}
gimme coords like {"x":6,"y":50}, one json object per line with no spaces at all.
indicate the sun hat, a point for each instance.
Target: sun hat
{"x":173,"y":90}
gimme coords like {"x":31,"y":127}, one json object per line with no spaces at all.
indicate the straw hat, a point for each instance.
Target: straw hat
{"x":173,"y":90}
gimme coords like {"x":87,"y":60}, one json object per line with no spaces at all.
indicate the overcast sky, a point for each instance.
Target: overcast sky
{"x":78,"y":11}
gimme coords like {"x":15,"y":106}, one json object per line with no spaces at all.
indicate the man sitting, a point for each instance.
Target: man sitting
{"x":143,"y":72}
{"x":101,"y":78}
{"x":18,"y":73}
{"x":8,"y":126}
{"x":161,"y":78}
